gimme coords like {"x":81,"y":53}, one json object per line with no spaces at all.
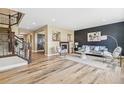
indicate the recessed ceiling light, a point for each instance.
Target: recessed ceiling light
{"x":27,"y":27}
{"x":104,"y":20}
{"x":33,"y":23}
{"x":53,"y":20}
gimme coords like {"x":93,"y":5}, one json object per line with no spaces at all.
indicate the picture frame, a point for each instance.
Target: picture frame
{"x":69,"y":37}
{"x":94,"y":37}
{"x":56,"y":36}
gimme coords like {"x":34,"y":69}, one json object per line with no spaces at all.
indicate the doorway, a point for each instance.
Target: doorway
{"x":41,"y":43}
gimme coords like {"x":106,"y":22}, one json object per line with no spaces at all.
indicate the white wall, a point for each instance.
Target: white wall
{"x":52,"y":45}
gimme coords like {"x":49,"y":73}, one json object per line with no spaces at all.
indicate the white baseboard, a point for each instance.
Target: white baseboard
{"x":37,"y":50}
{"x":52,"y":54}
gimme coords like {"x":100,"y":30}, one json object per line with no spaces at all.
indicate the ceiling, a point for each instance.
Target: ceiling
{"x":70,"y":18}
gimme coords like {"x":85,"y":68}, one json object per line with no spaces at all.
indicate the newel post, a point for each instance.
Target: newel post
{"x":13,"y":43}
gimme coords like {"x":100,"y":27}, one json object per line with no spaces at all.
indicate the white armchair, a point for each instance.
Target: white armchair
{"x":62,"y":52}
{"x":112,"y":56}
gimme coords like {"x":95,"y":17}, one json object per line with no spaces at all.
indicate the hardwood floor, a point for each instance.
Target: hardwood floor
{"x":51,"y":70}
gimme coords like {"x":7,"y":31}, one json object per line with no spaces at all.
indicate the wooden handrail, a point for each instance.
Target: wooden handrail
{"x":3,"y":14}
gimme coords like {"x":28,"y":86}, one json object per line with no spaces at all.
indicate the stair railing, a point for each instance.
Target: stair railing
{"x":22,"y":49}
{"x":13,"y":45}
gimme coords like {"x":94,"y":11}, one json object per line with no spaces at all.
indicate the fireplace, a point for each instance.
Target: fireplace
{"x":64,"y":45}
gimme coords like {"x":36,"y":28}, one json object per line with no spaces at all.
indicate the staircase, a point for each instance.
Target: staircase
{"x":10,"y":44}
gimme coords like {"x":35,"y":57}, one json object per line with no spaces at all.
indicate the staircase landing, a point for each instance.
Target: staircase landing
{"x":11,"y":62}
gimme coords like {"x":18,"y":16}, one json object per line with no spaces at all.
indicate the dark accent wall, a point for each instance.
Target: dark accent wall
{"x":116,"y":30}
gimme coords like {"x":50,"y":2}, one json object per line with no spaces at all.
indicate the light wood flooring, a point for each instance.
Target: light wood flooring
{"x":55,"y":70}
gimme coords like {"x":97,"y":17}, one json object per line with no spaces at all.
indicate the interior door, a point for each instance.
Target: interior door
{"x":40,"y":41}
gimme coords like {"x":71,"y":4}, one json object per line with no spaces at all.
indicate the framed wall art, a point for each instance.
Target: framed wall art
{"x":94,"y":36}
{"x":56,"y":36}
{"x":69,"y":37}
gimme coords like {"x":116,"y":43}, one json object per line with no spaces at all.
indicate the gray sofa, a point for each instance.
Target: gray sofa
{"x":93,"y":50}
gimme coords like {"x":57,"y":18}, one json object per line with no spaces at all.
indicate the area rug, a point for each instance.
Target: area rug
{"x":92,"y":61}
